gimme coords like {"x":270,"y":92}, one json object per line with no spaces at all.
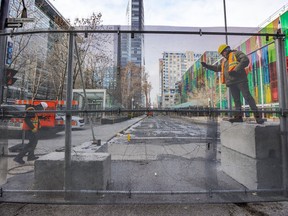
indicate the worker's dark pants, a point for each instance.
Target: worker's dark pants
{"x":244,"y":89}
{"x":30,"y":147}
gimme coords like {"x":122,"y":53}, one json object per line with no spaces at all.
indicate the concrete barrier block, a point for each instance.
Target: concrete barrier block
{"x":252,"y":173}
{"x":113,"y":119}
{"x":88,"y":147}
{"x":90,"y":171}
{"x":253,"y":140}
{"x":251,"y":154}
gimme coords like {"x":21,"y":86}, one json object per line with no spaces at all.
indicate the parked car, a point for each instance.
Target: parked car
{"x":11,"y":120}
{"x":12,"y":111}
{"x":77,"y":121}
{"x":13,"y":116}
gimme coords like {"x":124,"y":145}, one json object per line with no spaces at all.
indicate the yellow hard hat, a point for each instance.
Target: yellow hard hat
{"x":222,"y":47}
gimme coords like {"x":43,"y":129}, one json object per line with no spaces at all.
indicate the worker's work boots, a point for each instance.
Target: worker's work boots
{"x":31,"y":157}
{"x":19,"y":160}
{"x":259,"y":120}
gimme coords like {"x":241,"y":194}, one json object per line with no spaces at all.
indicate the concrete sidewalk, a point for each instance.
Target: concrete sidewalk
{"x":256,"y":209}
{"x":103,"y":132}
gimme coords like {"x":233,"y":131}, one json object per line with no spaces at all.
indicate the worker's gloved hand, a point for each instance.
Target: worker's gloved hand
{"x":34,"y":130}
{"x":203,"y":64}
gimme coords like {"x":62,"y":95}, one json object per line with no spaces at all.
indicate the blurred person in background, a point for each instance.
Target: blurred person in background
{"x":31,"y":126}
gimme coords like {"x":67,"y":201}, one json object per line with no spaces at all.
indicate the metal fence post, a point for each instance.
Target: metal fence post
{"x":3,"y":15}
{"x":283,"y":100}
{"x":3,"y":136}
{"x":67,"y":167}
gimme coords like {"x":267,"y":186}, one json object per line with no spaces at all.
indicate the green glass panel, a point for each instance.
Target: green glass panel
{"x":271,"y":53}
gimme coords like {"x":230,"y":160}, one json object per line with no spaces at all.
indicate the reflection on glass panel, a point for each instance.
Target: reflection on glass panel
{"x":151,"y":126}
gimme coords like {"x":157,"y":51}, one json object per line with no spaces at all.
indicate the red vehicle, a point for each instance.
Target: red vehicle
{"x":50,"y":122}
{"x":149,"y":113}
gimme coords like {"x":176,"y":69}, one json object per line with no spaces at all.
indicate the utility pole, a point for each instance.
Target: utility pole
{"x":3,"y":15}
{"x":225,"y":21}
{"x":226,"y":41}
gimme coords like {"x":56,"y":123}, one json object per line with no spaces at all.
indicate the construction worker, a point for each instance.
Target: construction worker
{"x":31,"y":127}
{"x":233,"y":74}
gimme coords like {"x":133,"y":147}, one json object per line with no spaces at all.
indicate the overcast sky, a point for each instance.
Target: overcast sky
{"x":176,"y":12}
{"x":191,"y":13}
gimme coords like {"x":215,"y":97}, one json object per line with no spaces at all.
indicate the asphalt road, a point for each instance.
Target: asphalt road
{"x":172,"y":156}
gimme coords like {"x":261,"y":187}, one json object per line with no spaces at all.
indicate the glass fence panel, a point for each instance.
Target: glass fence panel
{"x":150,"y":119}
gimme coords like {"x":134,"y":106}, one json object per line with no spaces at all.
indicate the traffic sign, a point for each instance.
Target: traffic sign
{"x":13,"y":25}
{"x":9,"y":52}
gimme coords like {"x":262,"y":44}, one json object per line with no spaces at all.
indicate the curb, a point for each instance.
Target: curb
{"x":125,"y":128}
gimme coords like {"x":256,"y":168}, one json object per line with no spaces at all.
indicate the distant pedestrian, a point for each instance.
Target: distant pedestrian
{"x":31,"y":127}
{"x":233,"y":74}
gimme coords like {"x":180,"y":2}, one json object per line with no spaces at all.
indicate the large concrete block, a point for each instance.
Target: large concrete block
{"x":251,"y":154}
{"x":89,"y":171}
{"x":88,"y":147}
{"x":253,"y":140}
{"x":252,"y":173}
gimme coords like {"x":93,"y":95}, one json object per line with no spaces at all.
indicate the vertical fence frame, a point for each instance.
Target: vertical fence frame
{"x":68,"y":127}
{"x":283,"y":100}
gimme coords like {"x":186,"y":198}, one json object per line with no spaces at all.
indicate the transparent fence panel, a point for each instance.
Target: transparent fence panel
{"x":136,"y":118}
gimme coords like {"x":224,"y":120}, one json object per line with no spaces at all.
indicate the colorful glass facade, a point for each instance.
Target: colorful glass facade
{"x":262,"y":76}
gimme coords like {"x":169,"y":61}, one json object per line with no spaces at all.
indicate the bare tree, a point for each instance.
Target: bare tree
{"x":26,"y":54}
{"x":92,"y":49}
{"x":131,"y":83}
{"x":57,"y":65}
{"x":43,"y":66}
{"x":146,"y":87}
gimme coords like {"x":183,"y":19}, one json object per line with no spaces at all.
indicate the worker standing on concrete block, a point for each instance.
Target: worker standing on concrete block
{"x":234,"y":75}
{"x":31,"y":126}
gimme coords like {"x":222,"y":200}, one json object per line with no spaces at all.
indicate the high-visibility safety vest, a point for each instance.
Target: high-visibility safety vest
{"x":34,"y":120}
{"x":232,"y":63}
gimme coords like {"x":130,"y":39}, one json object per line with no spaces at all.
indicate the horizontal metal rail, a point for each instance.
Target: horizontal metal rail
{"x":146,"y":192}
{"x":200,"y":32}
{"x":281,"y":112}
{"x":260,"y":48}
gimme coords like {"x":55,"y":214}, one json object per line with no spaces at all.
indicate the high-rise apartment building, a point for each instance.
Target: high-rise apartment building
{"x":172,"y":67}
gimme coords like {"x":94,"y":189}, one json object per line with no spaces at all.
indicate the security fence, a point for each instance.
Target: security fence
{"x":102,"y":138}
